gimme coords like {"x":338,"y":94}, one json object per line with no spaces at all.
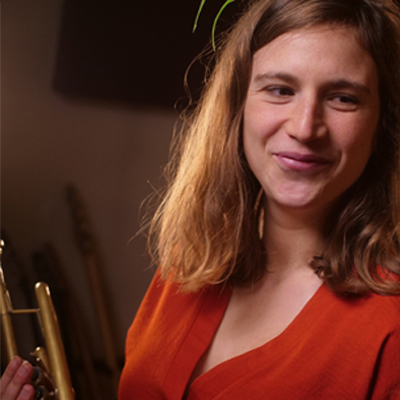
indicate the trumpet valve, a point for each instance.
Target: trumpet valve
{"x":41,"y":358}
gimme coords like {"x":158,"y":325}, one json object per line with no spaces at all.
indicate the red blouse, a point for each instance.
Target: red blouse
{"x":334,"y":349}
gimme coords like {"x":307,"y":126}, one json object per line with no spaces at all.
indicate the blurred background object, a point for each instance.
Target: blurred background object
{"x":88,"y":96}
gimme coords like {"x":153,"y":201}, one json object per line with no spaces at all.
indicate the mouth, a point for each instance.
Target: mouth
{"x":294,"y":161}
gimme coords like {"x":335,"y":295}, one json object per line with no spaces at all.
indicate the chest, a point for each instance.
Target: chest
{"x":254,"y":318}
{"x":330,"y":346}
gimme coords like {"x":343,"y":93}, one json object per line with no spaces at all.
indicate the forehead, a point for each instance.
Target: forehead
{"x":317,"y":51}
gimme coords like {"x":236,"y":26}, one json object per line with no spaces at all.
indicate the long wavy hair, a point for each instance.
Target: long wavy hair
{"x":206,"y":230}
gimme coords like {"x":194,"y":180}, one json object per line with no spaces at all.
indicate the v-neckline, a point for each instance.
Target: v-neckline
{"x":273,"y":343}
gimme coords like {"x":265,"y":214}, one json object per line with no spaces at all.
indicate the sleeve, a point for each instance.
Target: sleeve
{"x":386,"y":383}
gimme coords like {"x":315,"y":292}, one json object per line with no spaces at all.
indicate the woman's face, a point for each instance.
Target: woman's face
{"x":310,"y":116}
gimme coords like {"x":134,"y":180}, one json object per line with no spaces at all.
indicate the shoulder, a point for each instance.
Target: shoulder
{"x":167,"y":294}
{"x":384,"y":317}
{"x":368,"y":322}
{"x":166,"y":307}
{"x":168,"y":324}
{"x":382,"y":309}
{"x":371,"y":307}
{"x":361,"y":339}
{"x":163,"y":299}
{"x":386,"y":379}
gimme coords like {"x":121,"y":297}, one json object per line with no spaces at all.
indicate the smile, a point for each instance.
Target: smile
{"x":300,"y":162}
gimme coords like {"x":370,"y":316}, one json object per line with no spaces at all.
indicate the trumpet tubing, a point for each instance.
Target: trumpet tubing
{"x":7,"y":329}
{"x":51,"y":360}
{"x":54,"y":345}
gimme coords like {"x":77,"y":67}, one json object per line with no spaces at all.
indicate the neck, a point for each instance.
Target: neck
{"x":292,"y":238}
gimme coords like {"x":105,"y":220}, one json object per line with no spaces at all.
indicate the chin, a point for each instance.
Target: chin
{"x":300,"y":201}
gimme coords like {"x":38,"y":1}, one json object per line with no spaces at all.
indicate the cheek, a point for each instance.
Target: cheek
{"x":253,"y":145}
{"x":252,"y":128}
{"x":355,"y":135}
{"x":259,"y":124}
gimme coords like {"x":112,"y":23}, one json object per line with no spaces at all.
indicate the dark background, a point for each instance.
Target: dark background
{"x":134,"y":51}
{"x":88,"y":95}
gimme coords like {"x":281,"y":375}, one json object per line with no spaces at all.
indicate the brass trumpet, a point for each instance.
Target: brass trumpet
{"x":52,"y":363}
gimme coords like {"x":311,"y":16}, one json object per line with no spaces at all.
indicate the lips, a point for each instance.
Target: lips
{"x":294,"y":161}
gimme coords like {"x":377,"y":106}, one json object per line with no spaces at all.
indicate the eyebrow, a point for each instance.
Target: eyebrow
{"x":335,"y":84}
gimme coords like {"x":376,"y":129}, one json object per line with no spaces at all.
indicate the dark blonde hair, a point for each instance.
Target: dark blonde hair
{"x":206,"y":230}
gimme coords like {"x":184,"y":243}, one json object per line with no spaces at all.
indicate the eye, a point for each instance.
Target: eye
{"x":278,"y":94}
{"x":344,"y":102}
{"x":346,"y":99}
{"x":280,"y":91}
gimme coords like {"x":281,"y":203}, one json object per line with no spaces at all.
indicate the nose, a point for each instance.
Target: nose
{"x":306,"y":122}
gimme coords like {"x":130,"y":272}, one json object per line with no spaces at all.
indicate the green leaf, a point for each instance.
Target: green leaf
{"x":227,"y":2}
{"x":198,"y":15}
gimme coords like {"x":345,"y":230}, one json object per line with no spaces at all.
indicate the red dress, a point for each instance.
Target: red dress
{"x":335,"y":349}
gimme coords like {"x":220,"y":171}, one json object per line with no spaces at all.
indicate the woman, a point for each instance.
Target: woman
{"x":278,"y":237}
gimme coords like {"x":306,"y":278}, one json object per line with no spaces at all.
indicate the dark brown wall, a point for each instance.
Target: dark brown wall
{"x":112,"y":152}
